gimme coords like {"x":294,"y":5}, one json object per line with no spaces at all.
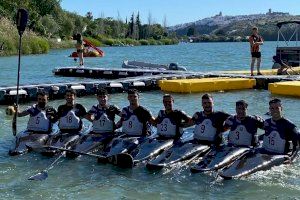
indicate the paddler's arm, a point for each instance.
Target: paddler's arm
{"x":21,"y":114}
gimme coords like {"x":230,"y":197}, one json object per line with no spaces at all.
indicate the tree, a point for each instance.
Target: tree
{"x":50,"y":25}
{"x":89,"y":15}
{"x":131,"y":27}
{"x":138,"y":27}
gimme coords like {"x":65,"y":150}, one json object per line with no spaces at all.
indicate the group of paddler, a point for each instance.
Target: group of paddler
{"x":242,"y":153}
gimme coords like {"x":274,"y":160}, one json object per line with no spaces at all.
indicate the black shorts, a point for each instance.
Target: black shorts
{"x":79,"y":50}
{"x":256,"y":54}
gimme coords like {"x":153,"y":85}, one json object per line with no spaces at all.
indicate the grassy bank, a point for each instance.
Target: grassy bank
{"x":34,"y":44}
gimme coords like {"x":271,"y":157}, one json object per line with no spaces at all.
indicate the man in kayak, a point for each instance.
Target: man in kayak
{"x":42,"y":116}
{"x":170,"y":122}
{"x":243,"y":127}
{"x":70,"y":114}
{"x":209,"y":123}
{"x":135,"y":118}
{"x":135,"y":121}
{"x":39,"y":126}
{"x":281,"y":135}
{"x":255,"y":41}
{"x":103,"y":114}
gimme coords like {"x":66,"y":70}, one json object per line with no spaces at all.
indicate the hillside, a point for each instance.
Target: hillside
{"x":236,"y":26}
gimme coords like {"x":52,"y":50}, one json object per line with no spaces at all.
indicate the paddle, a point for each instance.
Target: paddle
{"x":36,"y":146}
{"x":44,"y":174}
{"x":22,"y":18}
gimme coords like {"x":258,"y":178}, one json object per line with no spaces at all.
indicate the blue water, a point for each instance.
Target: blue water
{"x":197,"y":57}
{"x":85,"y":179}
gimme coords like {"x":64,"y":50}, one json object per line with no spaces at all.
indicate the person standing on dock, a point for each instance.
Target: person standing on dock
{"x":255,"y":41}
{"x":80,"y":48}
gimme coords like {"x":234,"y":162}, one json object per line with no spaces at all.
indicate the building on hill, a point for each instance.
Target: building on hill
{"x":270,"y":13}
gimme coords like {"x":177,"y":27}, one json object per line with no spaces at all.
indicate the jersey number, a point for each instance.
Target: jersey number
{"x":69,"y":119}
{"x":37,"y":121}
{"x":271,"y":140}
{"x":202,"y":128}
{"x":164,"y":127}
{"x":130,"y":124}
{"x":102,"y":122}
{"x":237,"y":134}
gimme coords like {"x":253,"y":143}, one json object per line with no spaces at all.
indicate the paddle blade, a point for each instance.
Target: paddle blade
{"x":22,"y":18}
{"x":39,"y":176}
{"x":124,"y":160}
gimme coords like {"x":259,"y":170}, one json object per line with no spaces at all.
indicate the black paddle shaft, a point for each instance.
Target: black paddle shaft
{"x":22,"y":18}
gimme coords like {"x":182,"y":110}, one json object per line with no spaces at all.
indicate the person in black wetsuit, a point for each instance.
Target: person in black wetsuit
{"x":281,"y":135}
{"x":135,"y":118}
{"x":209,"y":123}
{"x":70,"y":114}
{"x":243,"y":127}
{"x":170,"y":122}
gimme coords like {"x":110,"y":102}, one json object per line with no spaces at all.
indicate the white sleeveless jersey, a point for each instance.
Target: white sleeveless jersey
{"x":274,"y":143}
{"x":240,"y":136}
{"x":39,"y":122}
{"x":166,"y":128}
{"x":205,"y":131}
{"x":103,"y":124}
{"x":132,"y":126}
{"x":69,"y":121}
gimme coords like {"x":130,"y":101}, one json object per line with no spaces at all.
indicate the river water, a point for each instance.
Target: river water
{"x":85,"y":179}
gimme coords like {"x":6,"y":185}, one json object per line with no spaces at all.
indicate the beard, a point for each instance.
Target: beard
{"x":42,"y":104}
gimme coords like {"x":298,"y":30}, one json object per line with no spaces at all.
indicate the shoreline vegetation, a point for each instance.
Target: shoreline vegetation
{"x":50,"y":27}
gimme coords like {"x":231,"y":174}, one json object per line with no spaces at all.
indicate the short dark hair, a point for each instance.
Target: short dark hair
{"x":254,"y":28}
{"x":71,"y":90}
{"x":275,"y":100}
{"x":133,"y":91}
{"x":42,"y":93}
{"x":207,"y":96}
{"x":168,"y":96}
{"x":101,"y":91}
{"x":241,"y":103}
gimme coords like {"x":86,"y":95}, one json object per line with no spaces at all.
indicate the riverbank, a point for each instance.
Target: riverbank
{"x":35,"y":44}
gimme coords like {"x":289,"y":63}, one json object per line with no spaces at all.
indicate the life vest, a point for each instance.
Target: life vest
{"x":103,"y":124}
{"x":240,"y":136}
{"x":165,"y":127}
{"x":205,"y":131}
{"x":131,"y":124}
{"x":273,"y":142}
{"x":38,"y":121}
{"x":69,"y":121}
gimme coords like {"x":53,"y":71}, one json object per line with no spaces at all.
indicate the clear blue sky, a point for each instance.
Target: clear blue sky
{"x":178,"y":11}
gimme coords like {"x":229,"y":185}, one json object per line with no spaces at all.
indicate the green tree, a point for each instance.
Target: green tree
{"x":138,"y":26}
{"x":50,"y":25}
